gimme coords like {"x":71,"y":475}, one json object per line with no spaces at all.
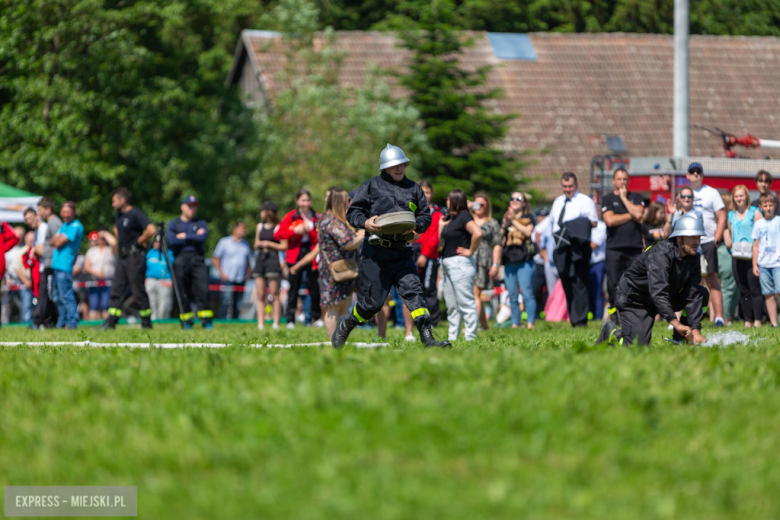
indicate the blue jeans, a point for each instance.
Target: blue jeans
{"x":230,"y":299}
{"x":65,"y":299}
{"x":770,"y":280}
{"x":520,"y":276}
{"x":27,"y":305}
{"x":596,"y":289}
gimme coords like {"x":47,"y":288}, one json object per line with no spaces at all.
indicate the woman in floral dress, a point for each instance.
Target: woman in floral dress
{"x":337,"y":241}
{"x":488,"y":255}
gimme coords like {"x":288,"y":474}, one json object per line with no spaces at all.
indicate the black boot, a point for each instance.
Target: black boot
{"x":423,"y":324}
{"x":110,"y":323}
{"x":343,"y":328}
{"x":609,"y":333}
{"x":146,"y":322}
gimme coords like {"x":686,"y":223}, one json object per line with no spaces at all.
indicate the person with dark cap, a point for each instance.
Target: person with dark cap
{"x":622,"y":213}
{"x":664,"y":279}
{"x":386,"y":260}
{"x":710,"y":204}
{"x":268,"y":268}
{"x":186,"y":236}
{"x":132,"y":230}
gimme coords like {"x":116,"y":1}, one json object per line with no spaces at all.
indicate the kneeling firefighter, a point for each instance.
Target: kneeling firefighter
{"x":665,"y":278}
{"x":186,"y":236}
{"x":386,"y":260}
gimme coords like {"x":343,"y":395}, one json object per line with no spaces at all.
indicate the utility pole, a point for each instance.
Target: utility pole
{"x":681,"y":105}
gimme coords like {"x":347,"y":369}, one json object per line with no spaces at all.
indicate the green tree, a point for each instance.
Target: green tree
{"x":95,"y":95}
{"x":462,"y":133}
{"x":315,"y":133}
{"x":719,"y":17}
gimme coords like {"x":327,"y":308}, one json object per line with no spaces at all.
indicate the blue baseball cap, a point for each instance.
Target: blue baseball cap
{"x":695,"y":166}
{"x":190,"y":199}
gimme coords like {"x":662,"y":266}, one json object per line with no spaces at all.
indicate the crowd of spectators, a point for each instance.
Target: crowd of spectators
{"x":561,"y":263}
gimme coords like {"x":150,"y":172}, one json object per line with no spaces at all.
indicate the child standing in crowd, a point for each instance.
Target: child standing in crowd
{"x":766,"y":254}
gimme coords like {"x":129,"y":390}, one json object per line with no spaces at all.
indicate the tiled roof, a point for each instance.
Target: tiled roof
{"x":584,"y":86}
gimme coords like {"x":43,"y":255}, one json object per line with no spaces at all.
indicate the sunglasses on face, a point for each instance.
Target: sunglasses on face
{"x":686,"y":196}
{"x":516,"y":199}
{"x":695,"y":172}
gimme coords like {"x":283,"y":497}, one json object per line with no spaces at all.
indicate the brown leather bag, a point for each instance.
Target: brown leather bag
{"x":344,"y":270}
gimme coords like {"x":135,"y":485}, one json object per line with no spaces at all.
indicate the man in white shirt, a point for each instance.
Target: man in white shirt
{"x":572,"y":256}
{"x":708,"y":202}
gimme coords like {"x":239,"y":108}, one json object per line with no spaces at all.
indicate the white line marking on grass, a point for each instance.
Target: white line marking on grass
{"x":174,"y":345}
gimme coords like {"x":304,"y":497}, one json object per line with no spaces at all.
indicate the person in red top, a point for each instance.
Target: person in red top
{"x":426,"y":256}
{"x":8,"y":239}
{"x":30,"y":259}
{"x":299,"y":228}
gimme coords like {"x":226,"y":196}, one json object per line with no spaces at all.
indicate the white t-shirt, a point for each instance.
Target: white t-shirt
{"x":580,"y":206}
{"x":40,"y":238}
{"x":767,"y":232}
{"x":102,"y":260}
{"x":598,"y":235}
{"x":707,"y":200}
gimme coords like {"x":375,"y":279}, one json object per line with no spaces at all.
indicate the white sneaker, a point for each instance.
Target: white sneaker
{"x":411,"y":337}
{"x":259,"y":325}
{"x":319,"y":324}
{"x":275,"y":326}
{"x":291,"y":325}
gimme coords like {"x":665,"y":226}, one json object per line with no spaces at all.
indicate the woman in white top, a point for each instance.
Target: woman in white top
{"x":99,"y":263}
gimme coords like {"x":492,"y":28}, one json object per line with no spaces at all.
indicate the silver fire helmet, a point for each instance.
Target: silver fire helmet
{"x":391,"y":156}
{"x":688,"y":226}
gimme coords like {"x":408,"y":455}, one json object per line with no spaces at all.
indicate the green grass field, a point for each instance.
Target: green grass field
{"x":517,"y":424}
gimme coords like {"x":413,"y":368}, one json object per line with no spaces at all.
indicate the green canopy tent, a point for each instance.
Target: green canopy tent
{"x":13,"y":202}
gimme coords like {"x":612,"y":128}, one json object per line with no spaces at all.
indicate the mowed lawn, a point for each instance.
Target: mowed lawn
{"x":518,"y":424}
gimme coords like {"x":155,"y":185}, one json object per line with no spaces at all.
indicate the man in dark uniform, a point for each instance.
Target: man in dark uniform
{"x":133,"y":231}
{"x":186,"y":237}
{"x":664,"y":279}
{"x":622,"y":213}
{"x":388,"y":263}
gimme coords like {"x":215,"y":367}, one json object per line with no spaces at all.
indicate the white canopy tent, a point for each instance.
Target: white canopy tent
{"x":14,"y":201}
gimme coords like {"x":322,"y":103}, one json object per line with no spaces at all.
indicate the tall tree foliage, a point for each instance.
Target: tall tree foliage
{"x":101,"y":94}
{"x":722,"y":17}
{"x":314,"y":132}
{"x":462,"y":133}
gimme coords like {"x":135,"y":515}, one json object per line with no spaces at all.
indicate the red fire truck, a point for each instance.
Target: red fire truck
{"x":661,"y":177}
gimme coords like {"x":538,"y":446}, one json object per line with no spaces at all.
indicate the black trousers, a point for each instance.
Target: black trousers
{"x":192,"y":278}
{"x":751,"y":301}
{"x":540,"y":290}
{"x":577,"y":294}
{"x":312,"y":280}
{"x":428,"y":277}
{"x":125,"y":269}
{"x":618,"y":261}
{"x":636,"y":321}
{"x":381,"y":268}
{"x":45,"y":312}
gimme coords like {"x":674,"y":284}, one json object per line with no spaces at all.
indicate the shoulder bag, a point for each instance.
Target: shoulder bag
{"x":344,"y":270}
{"x":742,"y":250}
